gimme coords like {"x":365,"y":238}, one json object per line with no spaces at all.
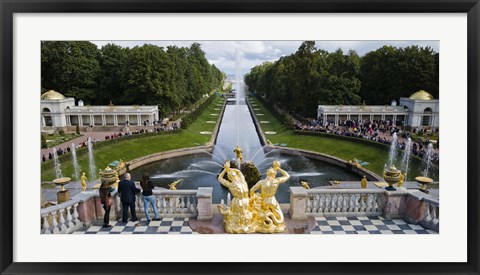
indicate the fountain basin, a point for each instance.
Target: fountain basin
{"x":201,"y":170}
{"x":424,"y":181}
{"x":61,"y":182}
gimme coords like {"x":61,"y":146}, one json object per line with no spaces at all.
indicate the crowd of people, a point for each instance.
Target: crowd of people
{"x":68,"y":149}
{"x":377,"y":130}
{"x":158,"y":126}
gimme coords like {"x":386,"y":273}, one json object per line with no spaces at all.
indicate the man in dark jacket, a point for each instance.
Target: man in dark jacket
{"x":127,"y":191}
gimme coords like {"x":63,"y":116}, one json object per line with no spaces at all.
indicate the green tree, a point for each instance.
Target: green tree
{"x":111,"y":82}
{"x":70,"y":67}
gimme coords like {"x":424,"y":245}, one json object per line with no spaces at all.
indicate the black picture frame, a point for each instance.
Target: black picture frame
{"x":10,"y":7}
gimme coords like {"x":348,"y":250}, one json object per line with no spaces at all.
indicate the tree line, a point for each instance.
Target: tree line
{"x":171,"y":78}
{"x":309,"y":77}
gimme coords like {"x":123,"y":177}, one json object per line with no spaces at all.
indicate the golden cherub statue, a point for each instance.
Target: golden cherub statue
{"x":400,"y":182}
{"x":83,"y":181}
{"x":364,"y":182}
{"x":305,"y":184}
{"x":239,"y":153}
{"x":173,"y":185}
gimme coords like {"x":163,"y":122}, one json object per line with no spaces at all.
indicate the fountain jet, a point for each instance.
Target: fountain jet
{"x":76,"y":168}
{"x":406,"y":157}
{"x":58,"y":170}
{"x":91,"y":160}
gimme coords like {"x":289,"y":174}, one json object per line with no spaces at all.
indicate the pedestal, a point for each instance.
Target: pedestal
{"x":63,"y":196}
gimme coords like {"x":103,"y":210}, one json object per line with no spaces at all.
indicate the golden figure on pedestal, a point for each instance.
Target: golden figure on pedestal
{"x":83,"y":181}
{"x":305,"y":184}
{"x":238,"y":152}
{"x":269,"y":216}
{"x":237,"y":216}
{"x":173,"y":185}
{"x":248,"y":211}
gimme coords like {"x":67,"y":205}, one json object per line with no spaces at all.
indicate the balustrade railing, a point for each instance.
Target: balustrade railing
{"x":431,"y":217}
{"x":61,"y":218}
{"x":179,"y":203}
{"x":64,"y":218}
{"x":346,"y":202}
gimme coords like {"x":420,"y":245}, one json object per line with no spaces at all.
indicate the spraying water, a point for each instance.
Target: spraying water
{"x":237,"y":91}
{"x":58,"y":170}
{"x":91,"y":160}
{"x":428,"y":159}
{"x":76,"y":168}
{"x":406,"y":157}
{"x":393,"y":150}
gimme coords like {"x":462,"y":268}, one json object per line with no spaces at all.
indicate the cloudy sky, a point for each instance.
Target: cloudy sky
{"x":222,"y":53}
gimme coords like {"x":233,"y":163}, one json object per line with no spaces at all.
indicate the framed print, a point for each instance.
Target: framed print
{"x":239,"y":137}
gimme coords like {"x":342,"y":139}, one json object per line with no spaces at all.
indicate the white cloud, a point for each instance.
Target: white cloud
{"x":222,"y":53}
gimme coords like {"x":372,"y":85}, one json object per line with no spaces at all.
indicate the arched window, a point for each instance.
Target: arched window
{"x":427,"y":115}
{"x":46,"y":110}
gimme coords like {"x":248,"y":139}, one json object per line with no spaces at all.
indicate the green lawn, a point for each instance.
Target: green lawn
{"x":133,"y":148}
{"x":376,"y":155}
{"x":55,"y":139}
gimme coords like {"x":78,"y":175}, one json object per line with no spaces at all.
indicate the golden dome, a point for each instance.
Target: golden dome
{"x":421,"y":95}
{"x":52,"y":95}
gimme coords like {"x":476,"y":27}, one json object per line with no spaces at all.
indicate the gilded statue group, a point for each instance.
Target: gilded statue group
{"x":250,"y":211}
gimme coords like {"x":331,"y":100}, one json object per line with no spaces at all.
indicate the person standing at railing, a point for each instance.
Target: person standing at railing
{"x":107,"y":201}
{"x":148,"y":197}
{"x":127,"y":191}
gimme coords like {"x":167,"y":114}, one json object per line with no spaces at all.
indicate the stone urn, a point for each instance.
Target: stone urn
{"x":110,"y":176}
{"x":424,"y":181}
{"x":391,"y":175}
{"x":63,"y":195}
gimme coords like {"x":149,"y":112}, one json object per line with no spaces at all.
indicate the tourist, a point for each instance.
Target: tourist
{"x":44,"y":158}
{"x":105,"y":193}
{"x":127,"y":191}
{"x":148,"y":197}
{"x":50,"y":156}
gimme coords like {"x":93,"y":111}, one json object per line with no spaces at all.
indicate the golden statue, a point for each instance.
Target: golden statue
{"x":83,"y":181}
{"x":305,"y":184}
{"x":355,"y":163}
{"x":269,"y":216}
{"x":364,"y":182}
{"x":239,"y":153}
{"x":173,"y":185}
{"x":237,"y":215}
{"x":400,"y":182}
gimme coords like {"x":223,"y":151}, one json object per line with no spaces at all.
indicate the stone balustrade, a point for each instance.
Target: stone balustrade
{"x":330,"y":202}
{"x":412,"y":205}
{"x":170,"y":203}
{"x":60,"y":219}
{"x":431,"y":217}
{"x":85,"y":208}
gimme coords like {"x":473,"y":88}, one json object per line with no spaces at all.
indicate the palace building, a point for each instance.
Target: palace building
{"x":60,"y":112}
{"x":420,"y":110}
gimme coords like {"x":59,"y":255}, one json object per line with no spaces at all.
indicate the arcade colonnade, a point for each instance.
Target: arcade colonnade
{"x":57,"y":111}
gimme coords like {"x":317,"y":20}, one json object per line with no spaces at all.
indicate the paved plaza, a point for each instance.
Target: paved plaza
{"x":324,"y":225}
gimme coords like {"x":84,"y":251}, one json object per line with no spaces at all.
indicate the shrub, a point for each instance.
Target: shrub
{"x":44,"y":142}
{"x":77,"y":129}
{"x":285,"y":119}
{"x":189,"y":118}
{"x":61,"y":132}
